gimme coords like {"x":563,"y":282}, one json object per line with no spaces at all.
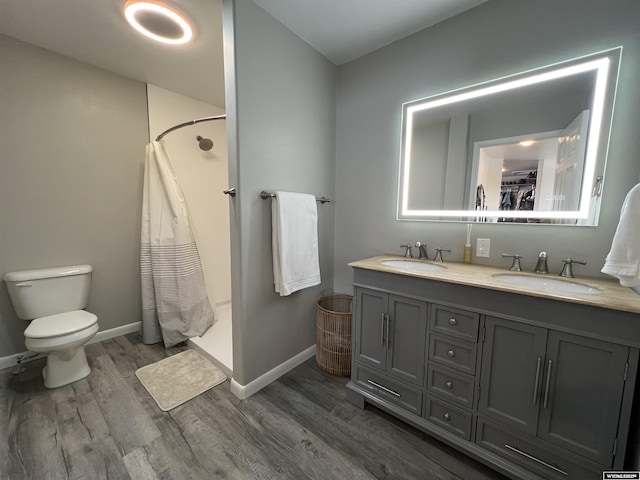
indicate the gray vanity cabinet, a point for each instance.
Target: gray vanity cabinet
{"x":560,"y":387}
{"x":390,"y":332}
{"x":369,"y":328}
{"x":511,"y":379}
{"x":535,"y":387}
{"x":580,"y":407}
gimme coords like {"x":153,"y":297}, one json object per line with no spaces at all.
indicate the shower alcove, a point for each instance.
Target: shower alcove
{"x":202,"y":175}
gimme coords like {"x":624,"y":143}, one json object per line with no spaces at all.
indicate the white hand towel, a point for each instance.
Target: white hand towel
{"x":623,"y":261}
{"x":295,"y":242}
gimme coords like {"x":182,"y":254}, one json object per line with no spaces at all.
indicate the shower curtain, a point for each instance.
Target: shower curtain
{"x":175,"y":305}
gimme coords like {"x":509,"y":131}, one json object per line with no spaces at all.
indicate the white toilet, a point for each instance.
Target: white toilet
{"x":53,"y":298}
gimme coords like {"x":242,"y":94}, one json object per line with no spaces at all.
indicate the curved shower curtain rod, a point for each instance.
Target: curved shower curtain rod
{"x":191,"y":122}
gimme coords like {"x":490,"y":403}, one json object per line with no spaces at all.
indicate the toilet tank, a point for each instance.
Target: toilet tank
{"x":47,"y":291}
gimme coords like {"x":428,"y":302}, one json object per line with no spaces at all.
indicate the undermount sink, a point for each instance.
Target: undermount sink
{"x":545,"y":283}
{"x":416,"y":266}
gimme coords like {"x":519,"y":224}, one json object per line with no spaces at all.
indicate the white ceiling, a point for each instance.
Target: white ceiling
{"x":94,"y":31}
{"x":343,"y":30}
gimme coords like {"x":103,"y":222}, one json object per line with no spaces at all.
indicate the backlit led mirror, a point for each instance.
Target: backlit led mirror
{"x":528,"y":148}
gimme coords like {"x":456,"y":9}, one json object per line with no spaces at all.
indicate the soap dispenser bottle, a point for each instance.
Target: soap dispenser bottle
{"x":466,"y":256}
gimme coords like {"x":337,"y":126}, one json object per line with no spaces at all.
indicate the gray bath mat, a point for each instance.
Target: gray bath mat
{"x":179,"y":378}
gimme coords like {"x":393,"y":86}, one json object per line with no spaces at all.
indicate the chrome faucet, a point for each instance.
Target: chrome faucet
{"x":439,"y":250}
{"x":541,"y":266}
{"x":567,"y":270}
{"x":422,"y":251}
{"x":407,"y":252}
{"x":515,"y":266}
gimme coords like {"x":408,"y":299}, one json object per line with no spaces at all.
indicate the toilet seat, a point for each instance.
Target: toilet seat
{"x":60,"y":324}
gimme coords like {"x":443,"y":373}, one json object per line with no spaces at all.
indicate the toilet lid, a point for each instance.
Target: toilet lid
{"x":60,"y":324}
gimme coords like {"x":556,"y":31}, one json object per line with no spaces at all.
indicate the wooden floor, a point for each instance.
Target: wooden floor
{"x":299,"y":427}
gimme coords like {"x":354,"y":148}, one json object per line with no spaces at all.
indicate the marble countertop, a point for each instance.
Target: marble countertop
{"x":611,"y":295}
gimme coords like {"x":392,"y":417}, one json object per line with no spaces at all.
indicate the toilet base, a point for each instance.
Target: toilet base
{"x":64,"y":367}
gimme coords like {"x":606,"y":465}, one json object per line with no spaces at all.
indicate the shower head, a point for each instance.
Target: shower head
{"x":205,"y":144}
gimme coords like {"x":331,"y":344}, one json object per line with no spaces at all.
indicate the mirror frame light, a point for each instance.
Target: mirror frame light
{"x":606,"y":66}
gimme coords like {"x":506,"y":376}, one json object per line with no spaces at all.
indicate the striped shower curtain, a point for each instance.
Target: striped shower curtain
{"x":175,"y":305}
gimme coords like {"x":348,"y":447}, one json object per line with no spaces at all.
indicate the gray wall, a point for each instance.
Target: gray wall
{"x":72,"y":140}
{"x":282,"y":104}
{"x":497,"y":38}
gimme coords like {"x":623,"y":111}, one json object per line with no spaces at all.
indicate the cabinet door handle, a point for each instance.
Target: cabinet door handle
{"x":377,"y":385}
{"x":383,"y":318}
{"x":451,"y":353}
{"x":535,"y":385}
{"x":546,"y":386}
{"x":453,"y":322}
{"x":447,"y":416}
{"x":449,"y":385}
{"x":388,"y":328}
{"x":531,"y":457}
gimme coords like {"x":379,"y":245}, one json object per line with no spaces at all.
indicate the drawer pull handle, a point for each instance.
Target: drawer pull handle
{"x":546,"y":387}
{"x":451,"y":353}
{"x":535,"y":385}
{"x":449,"y":385}
{"x":453,"y":322}
{"x":388,"y":329}
{"x":531,"y":457}
{"x":383,"y":388}
{"x":446,"y":416}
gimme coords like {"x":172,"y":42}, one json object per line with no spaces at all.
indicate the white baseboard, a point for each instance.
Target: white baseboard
{"x":12,"y":360}
{"x":245,"y":391}
{"x":224,"y":304}
{"x":116,"y":332}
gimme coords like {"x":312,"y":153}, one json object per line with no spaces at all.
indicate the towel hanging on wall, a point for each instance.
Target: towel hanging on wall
{"x":623,"y":261}
{"x":294,"y":235}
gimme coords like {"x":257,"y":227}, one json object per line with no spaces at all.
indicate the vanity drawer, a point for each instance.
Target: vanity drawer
{"x":455,"y":322}
{"x":453,"y":353}
{"x":556,"y":464}
{"x":406,"y":397}
{"x":450,"y":384}
{"x":451,"y":418}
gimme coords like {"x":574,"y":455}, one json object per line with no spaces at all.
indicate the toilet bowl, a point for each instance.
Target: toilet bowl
{"x":54,"y":300}
{"x":62,"y":338}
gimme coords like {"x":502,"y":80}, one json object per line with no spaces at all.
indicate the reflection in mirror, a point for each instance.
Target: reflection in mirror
{"x":529,"y":148}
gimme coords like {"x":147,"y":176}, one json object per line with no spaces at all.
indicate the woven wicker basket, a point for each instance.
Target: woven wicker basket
{"x":333,"y":334}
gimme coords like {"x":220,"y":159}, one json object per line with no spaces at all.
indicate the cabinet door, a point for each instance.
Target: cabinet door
{"x":512,"y":363}
{"x":407,"y":332}
{"x":370,"y":322}
{"x":582,"y":392}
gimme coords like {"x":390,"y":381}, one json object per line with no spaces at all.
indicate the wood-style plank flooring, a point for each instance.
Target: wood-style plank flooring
{"x":107,"y":426}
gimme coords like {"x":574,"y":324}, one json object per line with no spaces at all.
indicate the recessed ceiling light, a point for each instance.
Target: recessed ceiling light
{"x":158,"y":21}
{"x":526,"y":143}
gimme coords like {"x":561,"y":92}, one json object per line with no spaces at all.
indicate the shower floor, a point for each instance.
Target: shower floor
{"x":217,"y":343}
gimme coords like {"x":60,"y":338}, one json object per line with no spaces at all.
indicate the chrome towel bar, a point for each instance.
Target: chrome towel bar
{"x":264,"y":195}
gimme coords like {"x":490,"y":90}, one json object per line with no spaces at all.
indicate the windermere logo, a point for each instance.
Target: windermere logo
{"x":620,"y":475}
